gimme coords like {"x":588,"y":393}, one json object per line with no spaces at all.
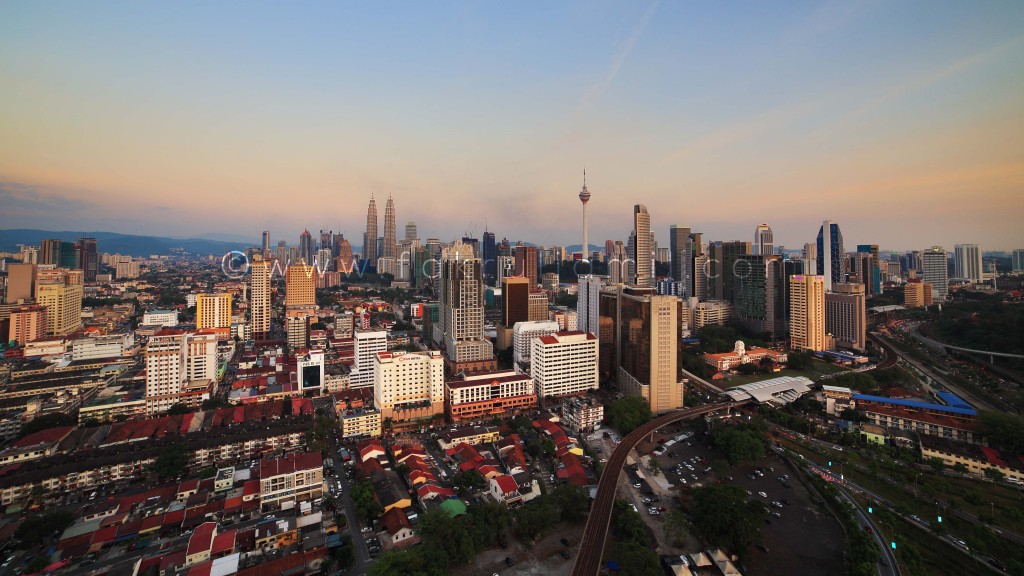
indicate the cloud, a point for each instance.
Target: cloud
{"x":29,"y":198}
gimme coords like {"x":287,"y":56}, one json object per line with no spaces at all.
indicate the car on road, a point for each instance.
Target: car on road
{"x":762,"y":494}
{"x":653,"y":511}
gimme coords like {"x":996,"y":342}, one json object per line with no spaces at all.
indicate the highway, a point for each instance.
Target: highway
{"x":588,"y":558}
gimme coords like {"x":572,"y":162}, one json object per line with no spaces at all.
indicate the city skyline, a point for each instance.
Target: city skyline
{"x":797,"y":112}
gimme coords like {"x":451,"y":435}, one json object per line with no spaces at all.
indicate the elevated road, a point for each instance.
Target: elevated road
{"x":588,"y":559}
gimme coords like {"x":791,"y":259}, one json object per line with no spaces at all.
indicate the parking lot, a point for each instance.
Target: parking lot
{"x":794,"y":520}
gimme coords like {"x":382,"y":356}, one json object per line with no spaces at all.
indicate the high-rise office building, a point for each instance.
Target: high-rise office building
{"x":390,"y":240}
{"x":935,"y":271}
{"x":846,"y":315}
{"x":60,"y":291}
{"x":722,"y":260}
{"x":564,"y":363}
{"x":810,"y":257}
{"x":1018,"y":260}
{"x":538,"y":306}
{"x":21,"y":282}
{"x":490,"y":259}
{"x":643,"y":258}
{"x":259,"y":298}
{"x":300,"y":285}
{"x":967,"y":262}
{"x":306,"y":249}
{"x":344,"y":261}
{"x":367,"y":345}
{"x":213,"y":310}
{"x":807,"y":313}
{"x":27,"y":323}
{"x":49,"y":252}
{"x":180,"y":369}
{"x":700,"y":277}
{"x":917,"y":294}
{"x":266,"y":243}
{"x":758,"y":301}
{"x":648,"y":331}
{"x":410,"y":231}
{"x":763,"y":242}
{"x":830,"y":254}
{"x":370,"y":237}
{"x":618,"y":264}
{"x":526,"y":264}
{"x":88,"y":259}
{"x":523,"y":335}
{"x":515,"y":300}
{"x":869,"y":268}
{"x":678,"y":241}
{"x":462,"y":311}
{"x":587,"y":303}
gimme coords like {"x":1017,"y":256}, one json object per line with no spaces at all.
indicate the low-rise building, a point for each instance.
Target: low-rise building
{"x":293,"y":478}
{"x":582,"y":414}
{"x":488,"y":394}
{"x":742,"y":355}
{"x":950,"y":422}
{"x":472,"y":435}
{"x":975,"y":458}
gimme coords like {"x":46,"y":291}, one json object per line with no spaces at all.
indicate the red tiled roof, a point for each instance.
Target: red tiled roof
{"x":201,"y":539}
{"x":395,"y":520}
{"x":47,"y":436}
{"x":224,"y":542}
{"x":428,"y":491}
{"x":506,"y":484}
{"x":290,"y":464}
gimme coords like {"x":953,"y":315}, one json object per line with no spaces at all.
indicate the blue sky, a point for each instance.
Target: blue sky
{"x":903,"y":121}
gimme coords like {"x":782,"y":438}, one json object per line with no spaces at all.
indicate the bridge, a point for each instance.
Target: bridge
{"x":943,"y":346}
{"x":588,"y":558}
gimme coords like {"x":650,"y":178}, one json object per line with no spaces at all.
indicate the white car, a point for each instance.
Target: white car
{"x":762,"y":494}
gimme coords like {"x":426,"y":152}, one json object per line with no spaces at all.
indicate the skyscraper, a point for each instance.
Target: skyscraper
{"x":490,"y":259}
{"x":410,"y":231}
{"x":462,"y":311}
{"x":722,"y":260}
{"x":1018,"y":260}
{"x":259,"y":298}
{"x":846,"y":315}
{"x":266,"y":243}
{"x":88,"y":259}
{"x":587,"y":303}
{"x":389,"y":229}
{"x":526,"y":263}
{"x":300,"y":285}
{"x":21,"y":282}
{"x":60,"y":291}
{"x":370,"y":237}
{"x":807,"y":313}
{"x":758,"y":301}
{"x":306,"y":251}
{"x":618,"y":266}
{"x":830,"y":253}
{"x":935,"y":271}
{"x":648,"y":331}
{"x":643,"y":257}
{"x":678,"y":237}
{"x":967,"y":262}
{"x":763,"y":243}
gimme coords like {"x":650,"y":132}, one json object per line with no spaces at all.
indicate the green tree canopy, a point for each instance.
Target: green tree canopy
{"x":1003,"y":431}
{"x":722,"y":516}
{"x":54,"y":420}
{"x":629,"y":413}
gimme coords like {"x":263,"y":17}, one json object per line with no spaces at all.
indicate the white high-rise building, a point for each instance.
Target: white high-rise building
{"x":763,"y":243}
{"x":181,"y":368}
{"x":408,"y":386}
{"x":935,"y":271}
{"x":643,"y":254}
{"x":367,"y":346}
{"x":564,"y":363}
{"x":588,"y":297}
{"x":523,"y":335}
{"x":967,"y":262}
{"x":462,"y":306}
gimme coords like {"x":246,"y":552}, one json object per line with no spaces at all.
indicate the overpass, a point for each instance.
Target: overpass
{"x":588,"y":558}
{"x":943,"y":346}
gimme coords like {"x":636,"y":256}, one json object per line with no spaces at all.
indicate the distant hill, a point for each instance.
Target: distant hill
{"x":115,"y":243}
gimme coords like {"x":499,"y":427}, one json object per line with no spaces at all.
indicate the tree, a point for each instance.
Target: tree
{"x":1003,"y":431}
{"x":179,"y":408}
{"x":960,"y":468}
{"x":172,"y":460}
{"x":634,"y":559}
{"x":740,"y":444}
{"x":535,"y":518}
{"x":937,"y":464}
{"x":37,"y":527}
{"x":53,"y":420}
{"x":629,"y":413}
{"x":994,"y":475}
{"x":573,"y":502}
{"x":464,"y":481}
{"x":365,"y":501}
{"x":675,"y":528}
{"x":214,"y":403}
{"x":724,"y":517}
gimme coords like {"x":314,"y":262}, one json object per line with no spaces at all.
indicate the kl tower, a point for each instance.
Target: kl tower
{"x":584,"y":198}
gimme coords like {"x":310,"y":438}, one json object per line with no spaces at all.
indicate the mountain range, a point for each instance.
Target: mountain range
{"x":126,"y":244}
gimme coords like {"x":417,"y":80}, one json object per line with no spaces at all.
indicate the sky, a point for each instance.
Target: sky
{"x":902,"y":121}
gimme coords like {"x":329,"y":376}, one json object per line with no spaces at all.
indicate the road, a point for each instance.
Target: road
{"x":588,"y":558}
{"x":344,"y":499}
{"x":939,"y":378}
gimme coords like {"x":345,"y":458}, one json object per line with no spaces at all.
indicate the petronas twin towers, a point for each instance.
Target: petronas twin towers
{"x":389,"y":245}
